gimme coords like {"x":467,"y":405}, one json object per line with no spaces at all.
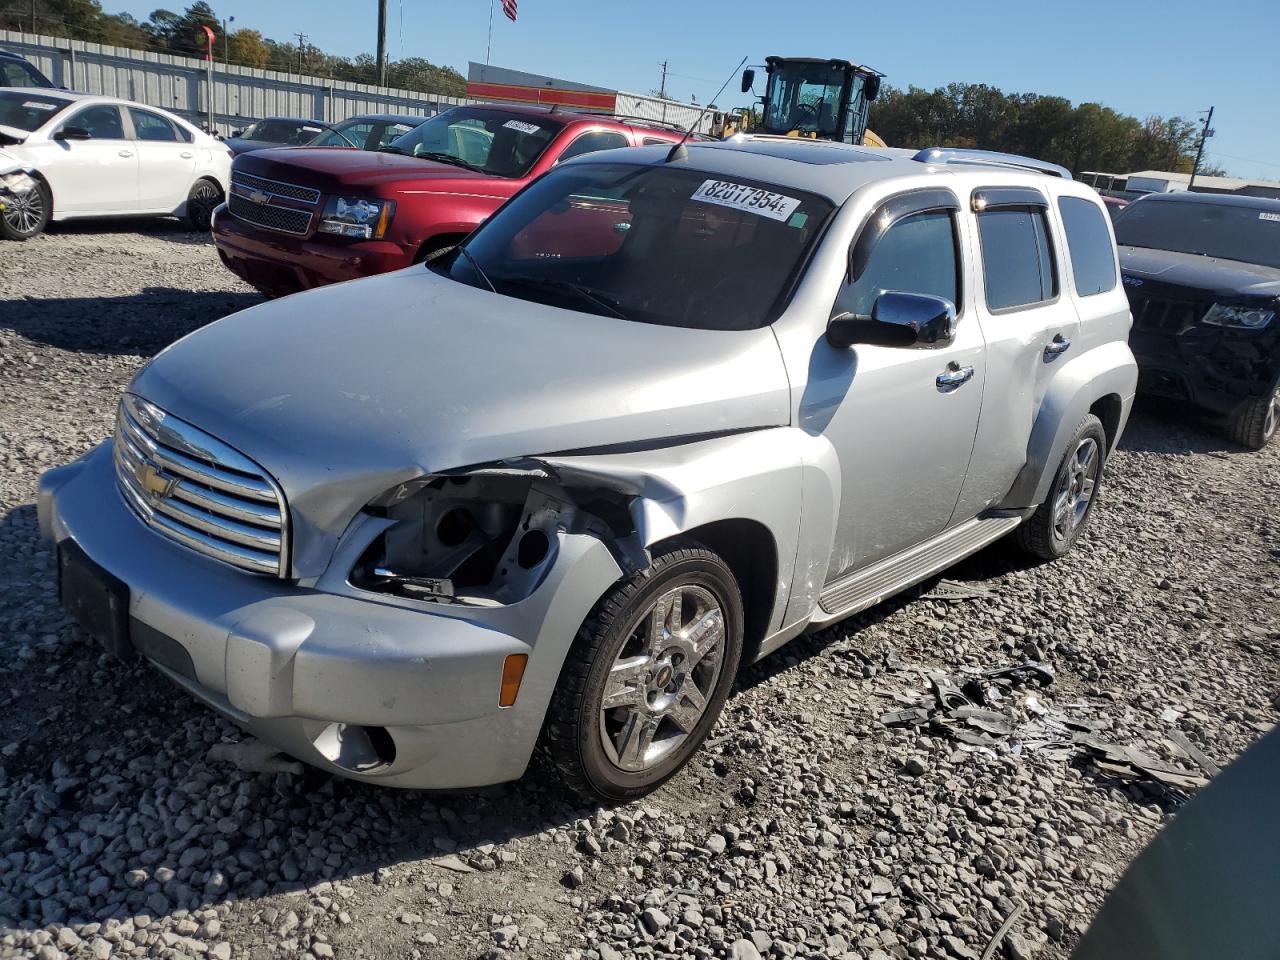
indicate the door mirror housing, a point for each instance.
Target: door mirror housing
{"x":897,"y":320}
{"x":871,"y":87}
{"x":748,"y":80}
{"x":73,"y":133}
{"x":237,"y":133}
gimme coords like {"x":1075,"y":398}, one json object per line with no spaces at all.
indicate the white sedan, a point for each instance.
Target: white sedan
{"x":104,"y":157}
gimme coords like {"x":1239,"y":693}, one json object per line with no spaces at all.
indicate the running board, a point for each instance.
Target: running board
{"x":867,"y":587}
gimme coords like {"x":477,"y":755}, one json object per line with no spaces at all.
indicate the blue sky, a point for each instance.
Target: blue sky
{"x":1167,"y":57}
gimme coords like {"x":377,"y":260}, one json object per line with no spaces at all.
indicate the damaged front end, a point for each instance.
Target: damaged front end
{"x":485,"y":537}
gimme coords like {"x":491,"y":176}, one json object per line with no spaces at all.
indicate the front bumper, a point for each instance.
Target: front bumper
{"x":280,"y":263}
{"x":318,"y":670}
{"x":1214,"y":368}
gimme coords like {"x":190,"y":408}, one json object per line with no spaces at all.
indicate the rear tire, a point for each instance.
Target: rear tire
{"x":1057,"y":524}
{"x":204,"y":196}
{"x":663,"y":649}
{"x":1254,"y":424}
{"x":26,"y":216}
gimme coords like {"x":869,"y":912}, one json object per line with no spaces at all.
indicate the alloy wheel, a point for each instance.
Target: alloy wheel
{"x":1075,"y":490}
{"x":660,"y":683}
{"x":25,"y":211}
{"x":1273,"y":415}
{"x":204,"y":197}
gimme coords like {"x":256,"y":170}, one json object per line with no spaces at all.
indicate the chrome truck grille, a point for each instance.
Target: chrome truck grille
{"x":286,"y":207}
{"x":198,"y":491}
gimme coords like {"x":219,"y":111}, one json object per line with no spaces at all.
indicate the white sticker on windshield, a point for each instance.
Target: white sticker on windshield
{"x":1267,"y":215}
{"x":521,"y":126}
{"x":39,"y":105}
{"x":739,"y":196}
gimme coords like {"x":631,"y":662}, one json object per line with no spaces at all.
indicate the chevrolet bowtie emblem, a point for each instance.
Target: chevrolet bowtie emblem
{"x":152,"y":481}
{"x":258,"y":196}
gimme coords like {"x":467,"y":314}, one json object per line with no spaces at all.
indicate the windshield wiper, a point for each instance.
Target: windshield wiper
{"x":568,"y":286}
{"x":449,"y":158}
{"x":463,"y":251}
{"x":390,"y":148}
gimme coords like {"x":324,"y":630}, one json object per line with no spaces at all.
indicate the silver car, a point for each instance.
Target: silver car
{"x":666,"y":410}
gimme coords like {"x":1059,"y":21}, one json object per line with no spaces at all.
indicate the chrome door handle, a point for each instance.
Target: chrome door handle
{"x":126,"y":153}
{"x":955,"y":376}
{"x":1059,"y":344}
{"x":186,"y":154}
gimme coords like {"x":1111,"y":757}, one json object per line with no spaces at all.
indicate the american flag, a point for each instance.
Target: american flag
{"x":509,"y":8}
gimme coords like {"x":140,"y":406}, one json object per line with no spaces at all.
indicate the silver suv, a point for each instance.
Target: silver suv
{"x":664,"y":411}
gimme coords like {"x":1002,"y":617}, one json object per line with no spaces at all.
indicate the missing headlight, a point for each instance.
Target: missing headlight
{"x":485,"y":539}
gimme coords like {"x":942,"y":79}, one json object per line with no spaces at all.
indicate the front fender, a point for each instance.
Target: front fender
{"x":783,"y":479}
{"x":1107,"y":370}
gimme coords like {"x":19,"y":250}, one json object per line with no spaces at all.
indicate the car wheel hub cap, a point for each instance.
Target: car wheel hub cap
{"x":24,"y":211}
{"x":1075,"y":491}
{"x":663,"y":678}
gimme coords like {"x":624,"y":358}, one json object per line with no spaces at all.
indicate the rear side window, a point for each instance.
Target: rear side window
{"x":19,"y":73}
{"x":1093,"y":261}
{"x":150,"y":126}
{"x":916,"y":255}
{"x":1016,"y":257}
{"x":656,"y":142}
{"x":593,"y":141}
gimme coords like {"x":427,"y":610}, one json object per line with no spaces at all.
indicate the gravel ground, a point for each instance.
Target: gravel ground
{"x":806,"y":828}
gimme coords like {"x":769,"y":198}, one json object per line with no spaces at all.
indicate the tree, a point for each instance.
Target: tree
{"x":246,"y":47}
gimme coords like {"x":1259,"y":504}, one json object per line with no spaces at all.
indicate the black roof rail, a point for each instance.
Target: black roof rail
{"x":649,"y":122}
{"x":990,"y":158}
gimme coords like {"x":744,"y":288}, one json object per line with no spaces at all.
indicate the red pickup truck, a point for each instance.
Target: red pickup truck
{"x":300,"y":217}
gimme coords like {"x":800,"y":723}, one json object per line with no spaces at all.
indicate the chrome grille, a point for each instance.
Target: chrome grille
{"x":290,"y":190}
{"x":198,"y":491}
{"x":284,"y":219}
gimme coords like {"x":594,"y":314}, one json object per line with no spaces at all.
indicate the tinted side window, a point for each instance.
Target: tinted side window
{"x":656,"y":142}
{"x":103,"y":122}
{"x":1092,"y":259}
{"x":1016,"y":257}
{"x":591,"y":142}
{"x":917,"y":255}
{"x":150,"y":126}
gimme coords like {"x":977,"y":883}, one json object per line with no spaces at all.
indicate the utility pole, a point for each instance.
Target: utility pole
{"x":226,"y":40}
{"x":662,"y":87}
{"x":382,"y":43}
{"x":1205,"y":134}
{"x":302,"y":44}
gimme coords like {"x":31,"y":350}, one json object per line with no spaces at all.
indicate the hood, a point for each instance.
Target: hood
{"x":344,"y":392}
{"x":329,"y":168}
{"x":1207,"y":276}
{"x":13,"y":135}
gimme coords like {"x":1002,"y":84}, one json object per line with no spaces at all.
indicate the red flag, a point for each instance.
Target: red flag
{"x":509,"y":8}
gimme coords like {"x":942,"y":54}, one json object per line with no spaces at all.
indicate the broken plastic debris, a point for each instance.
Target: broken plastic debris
{"x":253,"y":756}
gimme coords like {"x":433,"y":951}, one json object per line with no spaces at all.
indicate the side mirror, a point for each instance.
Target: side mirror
{"x":871,"y":87}
{"x":237,"y":133}
{"x":897,"y":320}
{"x":748,"y":80}
{"x":73,"y":133}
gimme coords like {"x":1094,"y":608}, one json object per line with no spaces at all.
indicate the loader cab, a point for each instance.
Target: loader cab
{"x":817,"y":99}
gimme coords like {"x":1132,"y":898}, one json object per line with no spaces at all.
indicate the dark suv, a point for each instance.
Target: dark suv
{"x":301,"y":217}
{"x":1203,"y":276}
{"x":17,"y":72}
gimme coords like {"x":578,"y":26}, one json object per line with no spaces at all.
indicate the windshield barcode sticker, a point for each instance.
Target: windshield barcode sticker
{"x":751,"y":199}
{"x":1267,"y":215}
{"x":521,"y":126}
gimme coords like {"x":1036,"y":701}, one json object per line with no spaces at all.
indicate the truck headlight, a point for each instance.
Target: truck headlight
{"x":1248,"y":318}
{"x":357,"y":217}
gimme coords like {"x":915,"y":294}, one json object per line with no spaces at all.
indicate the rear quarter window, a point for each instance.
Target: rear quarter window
{"x":1017,"y":260}
{"x":1093,"y":261}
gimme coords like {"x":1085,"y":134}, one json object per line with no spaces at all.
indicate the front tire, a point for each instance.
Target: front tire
{"x":646,"y":677}
{"x":26,"y":216}
{"x":1057,"y":524}
{"x":1254,"y":425}
{"x":204,"y":196}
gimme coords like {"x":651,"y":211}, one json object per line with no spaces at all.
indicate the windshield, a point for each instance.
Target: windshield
{"x":651,"y":244}
{"x":290,"y":132}
{"x":1248,"y":234}
{"x":805,"y":97}
{"x":28,"y":111}
{"x":492,"y":141}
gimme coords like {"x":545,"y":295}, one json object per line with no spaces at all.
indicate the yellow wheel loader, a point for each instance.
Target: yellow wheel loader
{"x":816,"y":99}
